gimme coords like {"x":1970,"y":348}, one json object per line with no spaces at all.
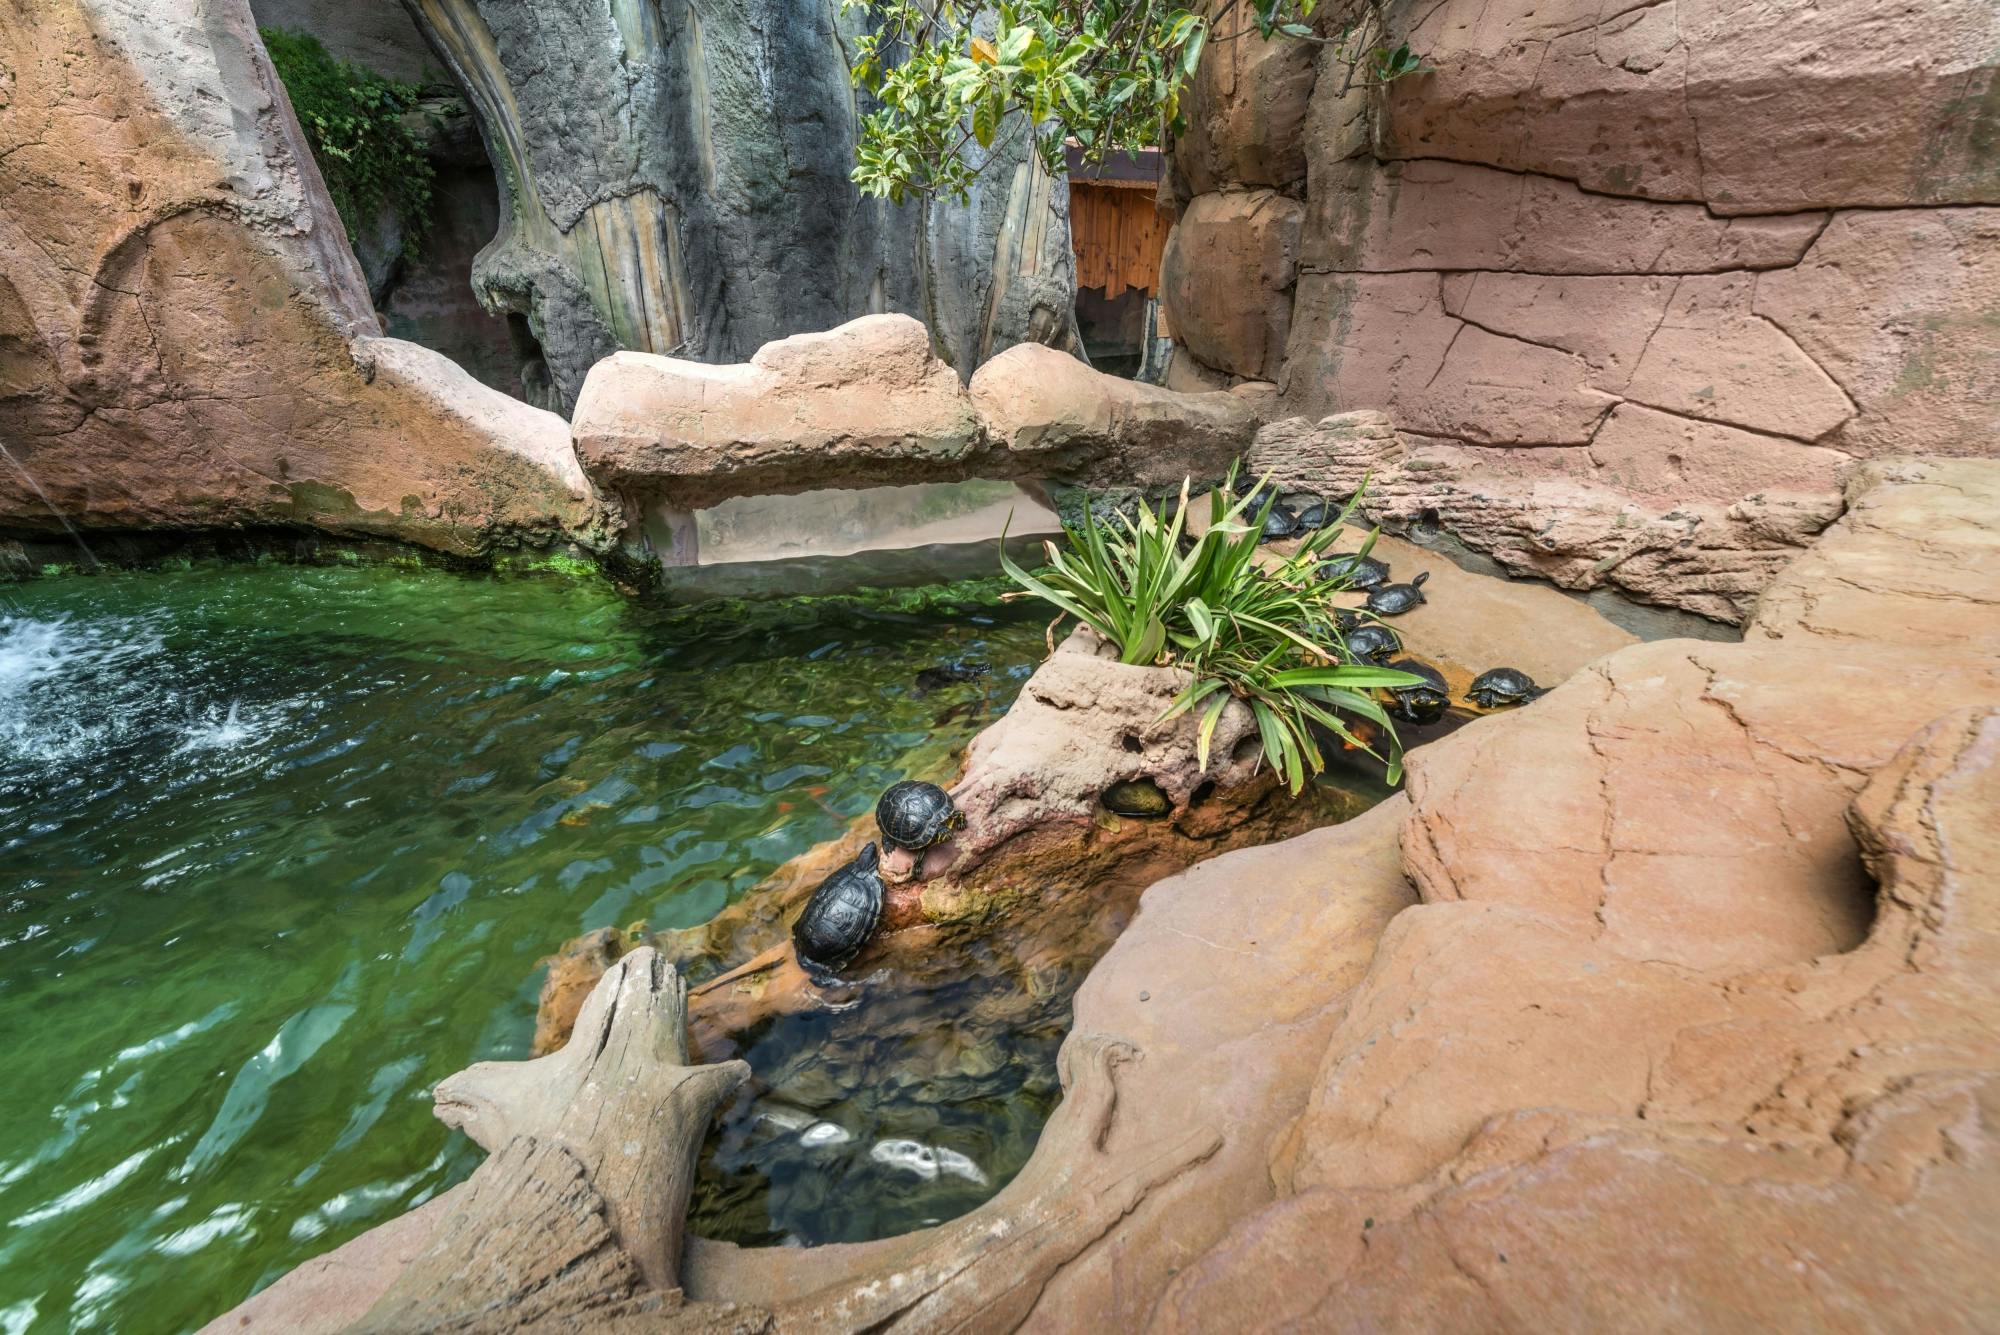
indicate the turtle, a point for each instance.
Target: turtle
{"x":1316,"y":514}
{"x":1360,"y":572}
{"x":1140,"y":797}
{"x":948,"y":674}
{"x":1391,"y":600}
{"x":913,"y":815}
{"x":1281,"y":523}
{"x":840,"y":917}
{"x":1419,"y":702}
{"x":1496,"y":688}
{"x":1372,"y":643}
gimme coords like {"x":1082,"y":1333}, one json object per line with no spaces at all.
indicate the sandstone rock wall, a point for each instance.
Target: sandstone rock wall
{"x":1661,"y":264}
{"x":185,"y":337}
{"x":676,"y":181}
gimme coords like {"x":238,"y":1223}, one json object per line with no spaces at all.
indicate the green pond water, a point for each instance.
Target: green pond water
{"x":280,"y":847}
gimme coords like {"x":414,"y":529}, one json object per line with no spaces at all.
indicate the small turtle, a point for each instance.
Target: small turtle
{"x":948,"y":674}
{"x":1141,"y":797}
{"x":1281,"y":523}
{"x":1360,"y":572}
{"x":1421,"y":702}
{"x":1499,"y":687}
{"x":1391,"y":600}
{"x":840,"y":917}
{"x":913,"y":815}
{"x":1372,"y":643}
{"x":1316,"y":514}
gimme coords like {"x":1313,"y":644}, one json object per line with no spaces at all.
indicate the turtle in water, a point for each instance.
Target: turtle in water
{"x":840,"y":917}
{"x":948,"y":674}
{"x":1419,"y":702}
{"x":1496,"y":688}
{"x":913,"y":815}
{"x":1280,"y":523}
{"x":1392,"y":600}
{"x":1360,"y":572}
{"x":1372,"y":643}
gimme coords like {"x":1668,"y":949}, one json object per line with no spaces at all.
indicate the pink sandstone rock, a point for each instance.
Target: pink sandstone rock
{"x":185,"y":340}
{"x":858,"y":405}
{"x":1772,"y":225}
{"x":1245,"y":108}
{"x":1225,"y":279}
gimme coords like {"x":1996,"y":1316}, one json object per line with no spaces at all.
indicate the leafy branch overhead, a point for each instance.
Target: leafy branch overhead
{"x":1108,"y":74}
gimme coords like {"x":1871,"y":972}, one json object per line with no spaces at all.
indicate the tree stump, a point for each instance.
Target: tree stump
{"x":582,"y":1207}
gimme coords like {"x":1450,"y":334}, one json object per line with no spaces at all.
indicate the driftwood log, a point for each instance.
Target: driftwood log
{"x":582,"y":1206}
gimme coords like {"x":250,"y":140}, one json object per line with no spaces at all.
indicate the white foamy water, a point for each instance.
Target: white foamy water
{"x":70,"y":688}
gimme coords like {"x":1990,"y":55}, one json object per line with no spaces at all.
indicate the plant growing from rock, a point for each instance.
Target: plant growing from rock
{"x":1265,"y":634}
{"x":1107,"y":74}
{"x":353,"y":119}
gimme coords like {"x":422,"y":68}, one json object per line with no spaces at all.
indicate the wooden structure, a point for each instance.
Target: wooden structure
{"x":1118,"y":232}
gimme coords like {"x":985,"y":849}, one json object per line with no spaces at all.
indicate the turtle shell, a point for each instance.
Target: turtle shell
{"x":1498,"y":687}
{"x":1360,"y":572}
{"x":1316,"y":514}
{"x":1372,"y":643}
{"x":1395,"y":599}
{"x":914,"y":815}
{"x":1423,"y":702}
{"x":1280,"y":523}
{"x":841,"y":915}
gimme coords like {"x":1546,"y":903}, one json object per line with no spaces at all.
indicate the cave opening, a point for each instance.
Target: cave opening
{"x":421,"y":285}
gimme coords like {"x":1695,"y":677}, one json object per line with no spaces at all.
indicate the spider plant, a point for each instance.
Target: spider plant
{"x":1263,"y":634}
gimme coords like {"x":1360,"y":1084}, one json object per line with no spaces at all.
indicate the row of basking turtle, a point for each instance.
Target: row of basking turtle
{"x":1374,"y":642}
{"x":846,"y":908}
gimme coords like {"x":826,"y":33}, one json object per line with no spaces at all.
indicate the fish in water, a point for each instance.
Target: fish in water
{"x":949,"y":674}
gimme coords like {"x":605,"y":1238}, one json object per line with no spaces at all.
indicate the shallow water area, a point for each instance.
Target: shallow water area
{"x":282,"y":846}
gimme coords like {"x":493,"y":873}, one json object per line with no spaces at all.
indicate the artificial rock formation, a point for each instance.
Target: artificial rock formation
{"x":676,"y":182}
{"x":869,"y":404}
{"x":1706,"y":531}
{"x":1615,"y":269}
{"x":1667,"y":1000}
{"x":185,"y":337}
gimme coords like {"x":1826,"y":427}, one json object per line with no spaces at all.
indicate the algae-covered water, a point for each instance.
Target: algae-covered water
{"x":281,"y":846}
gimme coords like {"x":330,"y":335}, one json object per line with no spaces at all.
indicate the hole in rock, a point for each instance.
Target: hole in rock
{"x":1130,"y":741}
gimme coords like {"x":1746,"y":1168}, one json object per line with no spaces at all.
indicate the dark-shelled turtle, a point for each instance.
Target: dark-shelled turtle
{"x":1420,"y":702}
{"x":1280,"y":523}
{"x":1139,"y":797}
{"x":948,"y":674}
{"x":913,"y":815}
{"x":1372,"y":643}
{"x":840,"y":917}
{"x":1392,"y":600}
{"x":1316,"y":514}
{"x":1360,"y":572}
{"x":1499,"y":687}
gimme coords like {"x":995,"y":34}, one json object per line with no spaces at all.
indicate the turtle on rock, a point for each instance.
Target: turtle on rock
{"x":1372,"y":643}
{"x":1392,"y":600}
{"x":1281,"y":523}
{"x":1361,"y":572}
{"x":1419,"y":702}
{"x":1496,"y":688}
{"x":840,"y":917}
{"x":913,"y":815}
